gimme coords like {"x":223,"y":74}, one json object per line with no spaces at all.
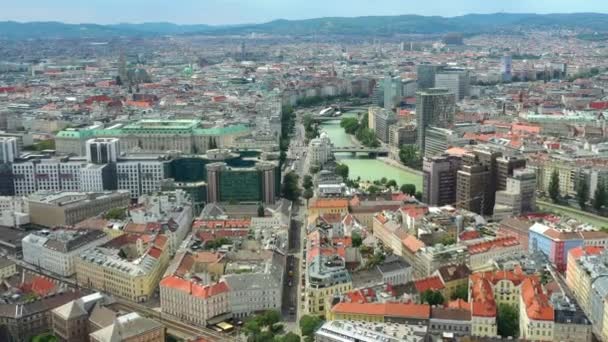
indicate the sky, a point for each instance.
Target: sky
{"x":219,"y":12}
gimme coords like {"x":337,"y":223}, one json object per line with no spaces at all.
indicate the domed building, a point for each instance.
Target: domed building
{"x":319,"y":149}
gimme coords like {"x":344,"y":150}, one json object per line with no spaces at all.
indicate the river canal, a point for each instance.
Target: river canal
{"x":362,"y":165}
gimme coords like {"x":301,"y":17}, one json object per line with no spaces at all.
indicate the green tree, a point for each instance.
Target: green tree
{"x":391,"y":183}
{"x":309,"y":324}
{"x":116,"y":214}
{"x":409,"y":156}
{"x":554,"y":186}
{"x":314,"y":169}
{"x":432,"y":297}
{"x":350,"y":125}
{"x":342,"y":170}
{"x":507,"y":320}
{"x":289,"y":337}
{"x":261,"y":211}
{"x":372,"y":189}
{"x":461,"y":292}
{"x":582,"y":193}
{"x":418,"y":195}
{"x":599,"y":196}
{"x":408,"y":189}
{"x":290,"y":189}
{"x":307,"y":182}
{"x":308,"y":194}
{"x":383,"y":180}
{"x":357,"y":240}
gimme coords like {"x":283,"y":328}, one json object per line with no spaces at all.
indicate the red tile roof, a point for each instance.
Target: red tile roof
{"x":329,"y":203}
{"x":42,"y":286}
{"x":194,"y":289}
{"x":503,"y":242}
{"x":578,"y":252}
{"x":221,"y":224}
{"x":430,"y":283}
{"x":537,"y":303}
{"x":412,"y":243}
{"x":404,"y":310}
{"x":482,"y":299}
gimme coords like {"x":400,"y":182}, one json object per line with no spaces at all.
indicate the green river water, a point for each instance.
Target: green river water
{"x":362,"y":165}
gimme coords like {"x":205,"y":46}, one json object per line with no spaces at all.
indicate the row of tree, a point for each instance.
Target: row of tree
{"x":600,"y":195}
{"x":360,"y":130}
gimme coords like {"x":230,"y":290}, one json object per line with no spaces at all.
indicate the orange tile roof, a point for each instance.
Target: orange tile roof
{"x":155,"y":252}
{"x":537,"y":303}
{"x":430,"y":283}
{"x":516,"y":276}
{"x":407,"y":310}
{"x":578,"y":252}
{"x":503,"y":242}
{"x":42,"y":286}
{"x":412,"y":243}
{"x":221,"y":224}
{"x":194,"y":289}
{"x":459,"y":304}
{"x":329,"y":203}
{"x":482,"y":299}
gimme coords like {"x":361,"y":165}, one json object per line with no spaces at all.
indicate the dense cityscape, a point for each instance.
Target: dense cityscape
{"x":251,"y":184}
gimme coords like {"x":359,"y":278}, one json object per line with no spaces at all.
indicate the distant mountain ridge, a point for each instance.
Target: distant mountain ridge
{"x":370,"y":25}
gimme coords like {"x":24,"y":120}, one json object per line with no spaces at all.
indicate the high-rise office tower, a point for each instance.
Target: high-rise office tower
{"x":102,"y":150}
{"x":520,"y":195}
{"x":214,"y":171}
{"x":271,"y":183}
{"x":434,"y":107}
{"x":471,"y":185}
{"x":488,"y":159}
{"x":506,"y":166}
{"x":8,"y":149}
{"x":382,"y":121}
{"x":393,"y":92}
{"x":457,"y":81}
{"x":506,"y":68}
{"x":426,"y":75}
{"x":439,"y":180}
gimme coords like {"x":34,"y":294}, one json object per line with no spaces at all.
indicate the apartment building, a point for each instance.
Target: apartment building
{"x":57,"y":251}
{"x":125,"y":267}
{"x":192,"y":301}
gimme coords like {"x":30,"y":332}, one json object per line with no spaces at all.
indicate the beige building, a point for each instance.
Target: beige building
{"x":125,"y":267}
{"x":7,"y":268}
{"x":73,"y":321}
{"x":51,"y":209}
{"x":131,"y":328}
{"x":191,"y":301}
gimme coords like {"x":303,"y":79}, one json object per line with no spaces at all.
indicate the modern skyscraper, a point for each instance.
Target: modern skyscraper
{"x":520,"y":194}
{"x":439,"y":180}
{"x":457,"y":81}
{"x":103,"y":150}
{"x":393,"y":92}
{"x":434,"y":107}
{"x":8,"y":149}
{"x":383,"y":120}
{"x":472,"y":188}
{"x":426,"y":75}
{"x":506,"y":166}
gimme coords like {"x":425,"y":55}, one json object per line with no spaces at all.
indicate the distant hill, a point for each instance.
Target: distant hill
{"x":368,"y":26}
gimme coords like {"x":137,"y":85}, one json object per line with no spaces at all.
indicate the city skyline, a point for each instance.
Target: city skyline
{"x":225,"y":12}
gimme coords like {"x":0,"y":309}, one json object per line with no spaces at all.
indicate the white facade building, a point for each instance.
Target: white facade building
{"x":8,"y":149}
{"x":14,"y":211}
{"x":57,"y":251}
{"x":319,"y":149}
{"x":253,"y":292}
